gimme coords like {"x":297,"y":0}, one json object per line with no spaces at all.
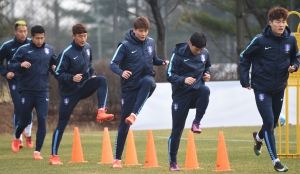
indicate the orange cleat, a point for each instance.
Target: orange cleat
{"x":102,"y":116}
{"x":54,"y":160}
{"x":28,"y":141}
{"x":131,"y":119}
{"x":15,"y":145}
{"x":37,"y":156}
{"x":117,"y":164}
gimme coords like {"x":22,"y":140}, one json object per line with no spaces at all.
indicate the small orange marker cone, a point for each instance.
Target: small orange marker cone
{"x":191,"y":160}
{"x":107,"y":156}
{"x":222,"y":157}
{"x":151,"y":158}
{"x":131,"y":157}
{"x":77,"y":154}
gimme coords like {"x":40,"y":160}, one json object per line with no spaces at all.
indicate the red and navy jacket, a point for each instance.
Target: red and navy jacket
{"x":136,"y":56}
{"x":35,"y":78}
{"x":74,"y":60}
{"x":185,"y":64}
{"x":270,"y":57}
{"x":7,"y":51}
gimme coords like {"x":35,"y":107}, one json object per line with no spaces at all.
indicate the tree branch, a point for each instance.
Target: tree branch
{"x":171,"y":10}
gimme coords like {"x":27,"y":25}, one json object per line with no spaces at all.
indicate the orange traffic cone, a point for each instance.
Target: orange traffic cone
{"x":107,"y":156}
{"x":222,"y":157}
{"x":77,"y":154}
{"x":151,"y":158}
{"x":131,"y":157}
{"x":191,"y":160}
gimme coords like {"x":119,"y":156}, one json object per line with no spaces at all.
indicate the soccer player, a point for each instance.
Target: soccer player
{"x":272,"y":55}
{"x":187,"y":72}
{"x":133,"y":62}
{"x":7,"y":51}
{"x":77,"y":80}
{"x":33,"y":61}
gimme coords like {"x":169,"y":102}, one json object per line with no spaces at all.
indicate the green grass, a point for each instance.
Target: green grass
{"x":239,"y":145}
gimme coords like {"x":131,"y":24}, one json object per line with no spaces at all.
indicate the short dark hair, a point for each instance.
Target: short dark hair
{"x":20,"y":23}
{"x":37,"y":29}
{"x":198,"y":40}
{"x":79,"y":29}
{"x":278,"y":13}
{"x":141,"y":22}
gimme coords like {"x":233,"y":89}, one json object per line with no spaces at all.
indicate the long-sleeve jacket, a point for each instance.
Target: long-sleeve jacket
{"x":185,"y":64}
{"x":74,"y":60}
{"x":35,"y":78}
{"x":270,"y":56}
{"x":135,"y":56}
{"x":7,"y":51}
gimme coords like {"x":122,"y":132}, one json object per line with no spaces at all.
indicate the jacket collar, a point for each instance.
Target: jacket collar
{"x":34,"y":46}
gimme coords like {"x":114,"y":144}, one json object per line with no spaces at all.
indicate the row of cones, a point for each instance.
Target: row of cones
{"x":191,"y":161}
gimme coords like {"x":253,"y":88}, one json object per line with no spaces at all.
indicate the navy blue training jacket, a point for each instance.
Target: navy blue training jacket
{"x":185,"y":64}
{"x":135,"y":56}
{"x":74,"y":60}
{"x":7,"y":51}
{"x":35,"y":78}
{"x":270,"y":57}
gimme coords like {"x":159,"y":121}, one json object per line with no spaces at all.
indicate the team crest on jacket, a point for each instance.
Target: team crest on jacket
{"x":287,"y":47}
{"x":23,"y":100}
{"x":261,"y":97}
{"x":150,"y":49}
{"x":88,"y":52}
{"x":202,"y":57}
{"x":66,"y":101}
{"x":46,"y":50}
{"x":13,"y":87}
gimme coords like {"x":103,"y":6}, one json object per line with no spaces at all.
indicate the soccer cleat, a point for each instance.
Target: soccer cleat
{"x":174,"y":167}
{"x":37,"y":156}
{"x":21,"y":145}
{"x":102,"y":116}
{"x":29,"y":142}
{"x":196,"y":127}
{"x":15,"y":145}
{"x":117,"y":164}
{"x":130,"y":119}
{"x":280,"y":168}
{"x":54,"y":160}
{"x":257,"y":145}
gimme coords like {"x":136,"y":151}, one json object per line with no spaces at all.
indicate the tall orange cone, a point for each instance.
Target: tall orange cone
{"x":151,"y":158}
{"x":107,"y":156}
{"x":77,"y":154}
{"x":222,"y":157}
{"x":191,"y":160}
{"x":131,"y":157}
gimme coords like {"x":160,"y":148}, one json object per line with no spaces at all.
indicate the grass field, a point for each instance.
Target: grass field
{"x":239,"y":145}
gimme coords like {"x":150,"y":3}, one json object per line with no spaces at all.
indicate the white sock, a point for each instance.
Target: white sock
{"x":101,"y":109}
{"x":36,"y":152}
{"x":274,"y":161}
{"x":258,"y":139}
{"x":28,"y":130}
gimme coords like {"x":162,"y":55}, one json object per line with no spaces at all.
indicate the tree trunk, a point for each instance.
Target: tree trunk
{"x":240,"y":31}
{"x":160,"y":41}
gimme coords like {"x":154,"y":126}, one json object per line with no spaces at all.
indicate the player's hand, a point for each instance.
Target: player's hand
{"x":53,"y":67}
{"x":10,"y":75}
{"x":166,"y":62}
{"x":206,"y":77}
{"x":126,"y":74}
{"x":249,"y":87}
{"x":291,"y":69}
{"x":25,"y":64}
{"x":77,"y":78}
{"x":189,"y":80}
